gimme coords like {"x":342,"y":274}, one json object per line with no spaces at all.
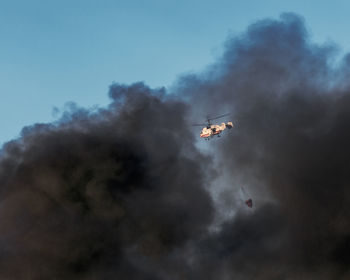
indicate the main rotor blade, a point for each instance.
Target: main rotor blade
{"x":198,"y":124}
{"x":218,"y":117}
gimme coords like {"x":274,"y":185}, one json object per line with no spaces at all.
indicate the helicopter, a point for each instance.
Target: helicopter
{"x":210,"y":130}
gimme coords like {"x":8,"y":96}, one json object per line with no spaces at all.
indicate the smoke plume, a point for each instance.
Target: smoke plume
{"x":126,"y":192}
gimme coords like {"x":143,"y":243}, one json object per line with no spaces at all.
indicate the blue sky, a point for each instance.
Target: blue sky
{"x":55,"y":51}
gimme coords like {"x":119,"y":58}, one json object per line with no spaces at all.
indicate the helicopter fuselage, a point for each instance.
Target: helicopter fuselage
{"x":214,"y":129}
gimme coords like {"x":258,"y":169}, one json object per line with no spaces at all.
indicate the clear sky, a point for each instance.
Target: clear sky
{"x":55,"y":51}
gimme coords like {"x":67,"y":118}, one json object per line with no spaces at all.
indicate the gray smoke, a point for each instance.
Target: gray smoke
{"x":125,"y":193}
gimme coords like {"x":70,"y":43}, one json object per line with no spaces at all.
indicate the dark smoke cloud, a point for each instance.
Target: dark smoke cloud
{"x":114,"y":194}
{"x":122,"y":192}
{"x":292,"y":141}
